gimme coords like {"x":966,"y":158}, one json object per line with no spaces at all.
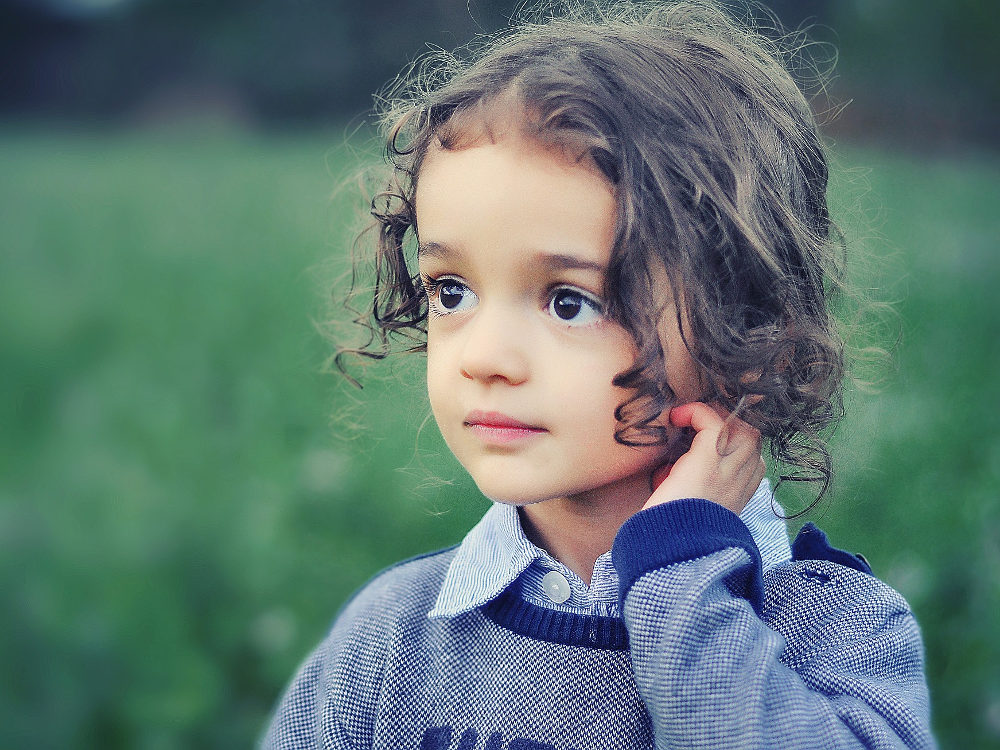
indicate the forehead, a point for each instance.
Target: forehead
{"x":514,"y":198}
{"x":496,"y":150}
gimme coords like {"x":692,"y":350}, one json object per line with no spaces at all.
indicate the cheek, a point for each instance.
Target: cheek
{"x":588,"y":386}
{"x":436,"y":385}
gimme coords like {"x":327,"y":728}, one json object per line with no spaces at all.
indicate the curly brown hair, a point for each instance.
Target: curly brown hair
{"x":720,"y":179}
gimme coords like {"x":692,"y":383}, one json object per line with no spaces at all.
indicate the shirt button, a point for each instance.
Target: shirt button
{"x":556,"y":586}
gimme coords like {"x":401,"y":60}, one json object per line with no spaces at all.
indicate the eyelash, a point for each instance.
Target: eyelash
{"x":433,"y":286}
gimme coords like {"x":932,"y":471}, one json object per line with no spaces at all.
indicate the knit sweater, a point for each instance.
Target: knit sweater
{"x":710,"y":652}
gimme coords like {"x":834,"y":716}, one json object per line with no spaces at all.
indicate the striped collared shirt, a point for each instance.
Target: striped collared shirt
{"x":496,"y":555}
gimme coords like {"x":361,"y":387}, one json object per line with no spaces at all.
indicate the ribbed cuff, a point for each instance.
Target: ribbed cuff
{"x":685,"y":530}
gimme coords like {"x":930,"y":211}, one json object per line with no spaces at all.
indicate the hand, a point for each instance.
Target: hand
{"x":724,"y":463}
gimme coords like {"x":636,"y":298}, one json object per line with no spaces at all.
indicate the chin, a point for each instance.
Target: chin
{"x":607,"y":487}
{"x":509,"y":496}
{"x":500,"y":489}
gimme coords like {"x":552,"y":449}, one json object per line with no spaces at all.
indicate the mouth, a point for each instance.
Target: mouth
{"x":494,"y":427}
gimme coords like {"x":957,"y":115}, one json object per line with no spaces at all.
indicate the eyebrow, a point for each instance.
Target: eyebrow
{"x":553,"y":261}
{"x":434,"y":250}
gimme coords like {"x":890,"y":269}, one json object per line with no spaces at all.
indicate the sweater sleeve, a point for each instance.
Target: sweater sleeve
{"x":816,"y":656}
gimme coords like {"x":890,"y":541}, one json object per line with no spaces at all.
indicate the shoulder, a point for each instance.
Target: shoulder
{"x":335,"y":693}
{"x":845,"y":631}
{"x":811,"y":594}
{"x":392,"y":603}
{"x":825,"y":595}
{"x":332,"y":700}
{"x":412,"y":584}
{"x":396,"y":599}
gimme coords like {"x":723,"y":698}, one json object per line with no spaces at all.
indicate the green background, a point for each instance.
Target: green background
{"x":187,"y":497}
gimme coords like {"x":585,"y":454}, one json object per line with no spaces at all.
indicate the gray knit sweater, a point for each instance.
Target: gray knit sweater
{"x":710,"y":653}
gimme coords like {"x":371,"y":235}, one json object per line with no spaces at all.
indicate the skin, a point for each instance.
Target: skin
{"x":514,"y":239}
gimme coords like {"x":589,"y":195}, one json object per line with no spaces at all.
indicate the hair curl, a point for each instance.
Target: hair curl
{"x":720,"y":179}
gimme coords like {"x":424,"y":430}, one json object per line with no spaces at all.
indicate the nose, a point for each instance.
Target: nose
{"x":496,"y":347}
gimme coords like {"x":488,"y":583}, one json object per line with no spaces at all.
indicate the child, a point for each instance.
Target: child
{"x":613,"y":231}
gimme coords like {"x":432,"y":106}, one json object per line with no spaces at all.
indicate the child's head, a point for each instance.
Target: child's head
{"x":721,"y":247}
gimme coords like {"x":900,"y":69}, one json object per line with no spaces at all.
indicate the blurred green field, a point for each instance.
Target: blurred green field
{"x":186,"y":499}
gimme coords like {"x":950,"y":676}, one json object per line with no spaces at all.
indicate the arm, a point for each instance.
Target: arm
{"x":713,"y":673}
{"x":828,"y":658}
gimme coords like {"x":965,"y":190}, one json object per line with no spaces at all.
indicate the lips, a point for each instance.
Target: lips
{"x":494,"y":427}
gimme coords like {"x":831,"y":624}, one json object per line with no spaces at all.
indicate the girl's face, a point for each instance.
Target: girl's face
{"x":514,"y":242}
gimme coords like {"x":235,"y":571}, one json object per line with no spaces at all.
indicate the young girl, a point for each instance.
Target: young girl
{"x":613,"y":231}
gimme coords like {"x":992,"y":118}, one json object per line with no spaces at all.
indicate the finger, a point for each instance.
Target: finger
{"x":735,"y":432}
{"x":696,"y":415}
{"x":700,"y":416}
{"x":723,"y":441}
{"x":723,"y":445}
{"x":745,"y":433}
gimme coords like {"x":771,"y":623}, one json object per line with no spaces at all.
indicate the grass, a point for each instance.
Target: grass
{"x":184,"y":497}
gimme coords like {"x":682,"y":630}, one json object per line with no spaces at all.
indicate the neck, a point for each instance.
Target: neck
{"x":577,"y":530}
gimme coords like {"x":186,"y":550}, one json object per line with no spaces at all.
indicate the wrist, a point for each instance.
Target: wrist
{"x":681,"y":530}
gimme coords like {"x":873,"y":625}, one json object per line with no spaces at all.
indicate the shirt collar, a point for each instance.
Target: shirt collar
{"x":496,"y":552}
{"x":490,"y":558}
{"x":766,"y":521}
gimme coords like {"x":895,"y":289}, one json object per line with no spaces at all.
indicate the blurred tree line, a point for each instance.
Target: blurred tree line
{"x":920,"y":69}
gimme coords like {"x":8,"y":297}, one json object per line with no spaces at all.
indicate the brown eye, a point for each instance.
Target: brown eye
{"x":448,"y":295}
{"x":451,"y":295}
{"x":575,"y":307}
{"x":566,"y":305}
